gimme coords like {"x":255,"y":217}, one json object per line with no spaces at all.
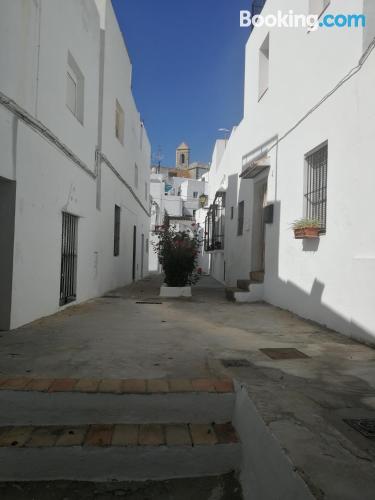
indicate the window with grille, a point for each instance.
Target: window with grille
{"x":117,"y":227}
{"x":214,"y":224}
{"x":68,"y":274}
{"x":241,"y":213}
{"x":195,"y":194}
{"x":316,"y":186}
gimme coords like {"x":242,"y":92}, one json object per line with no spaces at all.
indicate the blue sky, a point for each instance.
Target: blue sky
{"x":188,"y":69}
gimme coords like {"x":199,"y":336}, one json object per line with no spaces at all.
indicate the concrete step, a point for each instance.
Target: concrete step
{"x":117,"y":452}
{"x":70,"y":401}
{"x":257,"y":276}
{"x":255,"y":294}
{"x":243,"y":284}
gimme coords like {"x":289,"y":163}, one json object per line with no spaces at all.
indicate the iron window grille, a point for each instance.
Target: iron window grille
{"x":316,"y":186}
{"x":68,"y":275}
{"x":240,"y":221}
{"x":117,"y":226}
{"x":214,"y":225}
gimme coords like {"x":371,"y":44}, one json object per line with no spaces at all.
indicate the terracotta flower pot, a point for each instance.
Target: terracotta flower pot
{"x":306,"y":232}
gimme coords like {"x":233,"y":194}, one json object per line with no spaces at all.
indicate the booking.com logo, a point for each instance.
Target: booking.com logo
{"x":292,"y":20}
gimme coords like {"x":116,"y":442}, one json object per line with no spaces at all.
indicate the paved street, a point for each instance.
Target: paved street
{"x":304,"y":401}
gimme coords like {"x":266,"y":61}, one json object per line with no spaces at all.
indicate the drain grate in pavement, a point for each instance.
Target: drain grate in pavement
{"x":235,"y":363}
{"x":283,"y":353}
{"x":148,"y":302}
{"x":366,"y":426}
{"x":112,"y":297}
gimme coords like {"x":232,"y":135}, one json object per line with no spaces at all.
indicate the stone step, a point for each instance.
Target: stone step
{"x":78,"y":401}
{"x":257,"y":276}
{"x":117,"y":452}
{"x":243,"y":284}
{"x":230,"y":293}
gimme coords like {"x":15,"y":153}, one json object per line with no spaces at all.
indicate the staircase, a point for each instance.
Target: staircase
{"x":116,"y":430}
{"x":247,"y":290}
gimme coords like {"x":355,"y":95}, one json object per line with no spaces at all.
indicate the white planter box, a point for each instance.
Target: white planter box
{"x":175,"y":291}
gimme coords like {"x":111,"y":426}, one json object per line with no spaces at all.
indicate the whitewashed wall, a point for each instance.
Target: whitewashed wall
{"x":47,"y":181}
{"x":330,"y":282}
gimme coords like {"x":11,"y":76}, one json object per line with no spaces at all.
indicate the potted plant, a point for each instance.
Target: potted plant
{"x":306,"y":228}
{"x":178,"y":254}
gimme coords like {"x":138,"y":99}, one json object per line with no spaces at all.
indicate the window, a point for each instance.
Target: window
{"x":317,"y":7}
{"x":146,"y":191}
{"x":195,"y":194}
{"x":264,"y":61}
{"x":214,"y":224}
{"x":136,"y":175}
{"x":116,"y":245}
{"x":182,"y":159}
{"x":74,"y":89}
{"x":68,"y":276}
{"x":241,"y":212}
{"x":316,"y":185}
{"x":231,"y":212}
{"x":119,"y":122}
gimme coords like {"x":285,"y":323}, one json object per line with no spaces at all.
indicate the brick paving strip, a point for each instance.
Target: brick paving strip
{"x":119,"y":435}
{"x":118,"y":386}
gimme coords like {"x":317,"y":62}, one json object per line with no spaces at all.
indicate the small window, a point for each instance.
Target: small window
{"x":117,"y":226}
{"x":316,"y":186}
{"x":136,"y":175}
{"x":74,"y":89}
{"x":241,"y":212}
{"x":195,"y":194}
{"x":182,"y":159}
{"x":231,"y":212}
{"x":146,"y":190}
{"x":317,"y":7}
{"x":264,"y":62}
{"x":119,"y":122}
{"x":147,"y":245}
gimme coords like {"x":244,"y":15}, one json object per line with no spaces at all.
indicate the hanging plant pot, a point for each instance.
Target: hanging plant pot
{"x":306,"y":232}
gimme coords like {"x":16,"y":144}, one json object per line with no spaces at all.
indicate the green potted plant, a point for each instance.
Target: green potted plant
{"x":178,"y":254}
{"x":306,"y":228}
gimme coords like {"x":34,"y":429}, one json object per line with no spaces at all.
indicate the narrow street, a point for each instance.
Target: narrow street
{"x":133,"y":334}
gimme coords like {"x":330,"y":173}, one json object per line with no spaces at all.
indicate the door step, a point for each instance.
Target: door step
{"x":117,"y":451}
{"x":243,"y":284}
{"x":254,"y":294}
{"x":257,"y":276}
{"x":78,"y":401}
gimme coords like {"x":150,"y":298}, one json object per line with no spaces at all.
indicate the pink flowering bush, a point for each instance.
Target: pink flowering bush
{"x":178,"y":254}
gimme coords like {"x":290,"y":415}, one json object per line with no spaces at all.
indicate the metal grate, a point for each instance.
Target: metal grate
{"x":316,"y":186}
{"x":116,"y":243}
{"x":283,"y":353}
{"x":235,"y":363}
{"x":148,"y":302}
{"x":214,"y":224}
{"x":68,"y":277}
{"x":366,"y":426}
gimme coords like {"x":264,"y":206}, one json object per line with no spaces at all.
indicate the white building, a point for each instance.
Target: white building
{"x":74,"y":175}
{"x":303,"y":148}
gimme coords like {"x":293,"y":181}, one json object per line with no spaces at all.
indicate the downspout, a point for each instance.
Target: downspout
{"x":98,"y":157}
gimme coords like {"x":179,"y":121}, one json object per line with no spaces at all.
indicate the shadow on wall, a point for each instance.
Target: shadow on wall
{"x":283,"y":293}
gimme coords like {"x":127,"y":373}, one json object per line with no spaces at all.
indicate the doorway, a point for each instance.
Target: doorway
{"x":134,"y":252}
{"x":258,"y":234}
{"x":7,"y":216}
